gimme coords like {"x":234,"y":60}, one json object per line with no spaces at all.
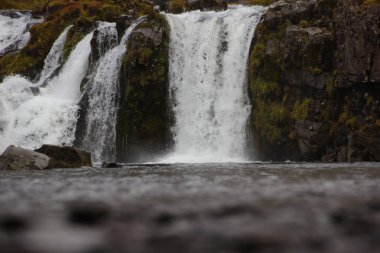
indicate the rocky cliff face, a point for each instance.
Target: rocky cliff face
{"x":314,"y":75}
{"x":143,"y":118}
{"x":314,"y":83}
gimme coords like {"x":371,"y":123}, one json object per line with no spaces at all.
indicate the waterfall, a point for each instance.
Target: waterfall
{"x":208,"y":84}
{"x":28,"y":119}
{"x":14,"y":32}
{"x":102,"y":110}
{"x":55,"y":57}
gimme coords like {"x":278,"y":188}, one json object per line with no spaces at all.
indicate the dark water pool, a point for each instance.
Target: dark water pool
{"x":193,"y":208}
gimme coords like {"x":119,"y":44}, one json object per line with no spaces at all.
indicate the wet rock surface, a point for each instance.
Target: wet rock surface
{"x":193,"y":208}
{"x":65,"y":157}
{"x":17,"y":158}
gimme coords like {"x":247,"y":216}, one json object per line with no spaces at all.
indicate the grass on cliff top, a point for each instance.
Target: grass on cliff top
{"x":371,"y":2}
{"x":60,"y":14}
{"x":22,"y":4}
{"x":140,"y":5}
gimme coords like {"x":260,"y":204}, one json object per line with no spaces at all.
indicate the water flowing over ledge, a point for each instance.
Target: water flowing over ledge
{"x":208,"y":85}
{"x":14,"y":32}
{"x":103,"y":95}
{"x":31,"y":115}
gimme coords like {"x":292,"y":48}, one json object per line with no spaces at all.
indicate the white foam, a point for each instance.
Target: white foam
{"x":208,"y":84}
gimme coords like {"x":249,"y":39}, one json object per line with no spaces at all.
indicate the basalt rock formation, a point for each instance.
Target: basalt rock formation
{"x":143,"y":125}
{"x":314,"y":81}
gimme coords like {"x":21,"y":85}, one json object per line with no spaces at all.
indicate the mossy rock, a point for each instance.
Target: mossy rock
{"x":143,"y":119}
{"x":300,"y":108}
{"x":280,"y":94}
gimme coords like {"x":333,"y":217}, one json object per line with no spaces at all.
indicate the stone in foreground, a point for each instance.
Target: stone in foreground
{"x":65,"y":157}
{"x":17,"y":158}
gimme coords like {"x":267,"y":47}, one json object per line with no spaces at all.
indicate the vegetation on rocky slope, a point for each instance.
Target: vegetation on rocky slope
{"x":143,"y":122}
{"x":22,"y":4}
{"x":59,"y":14}
{"x":307,"y":101}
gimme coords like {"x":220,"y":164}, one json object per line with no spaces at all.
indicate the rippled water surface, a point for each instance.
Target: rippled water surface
{"x":258,"y":207}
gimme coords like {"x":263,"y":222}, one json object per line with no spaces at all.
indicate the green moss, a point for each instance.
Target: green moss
{"x":22,"y":4}
{"x":60,"y":14}
{"x":73,"y":37}
{"x":254,"y":63}
{"x":316,"y":70}
{"x":269,"y":113}
{"x":262,"y":88}
{"x":304,"y":23}
{"x":178,"y":6}
{"x":145,"y":119}
{"x":369,"y":100}
{"x":301,"y":109}
{"x":347,"y":119}
{"x":30,"y":60}
{"x":371,"y":2}
{"x":268,"y":118}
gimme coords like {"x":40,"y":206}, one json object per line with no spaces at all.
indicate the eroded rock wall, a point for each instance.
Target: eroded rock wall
{"x":313,"y":81}
{"x":143,"y":118}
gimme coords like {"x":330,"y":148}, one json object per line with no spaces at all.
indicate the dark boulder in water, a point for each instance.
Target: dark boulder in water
{"x":65,"y":157}
{"x":111,"y":165}
{"x":17,"y":158}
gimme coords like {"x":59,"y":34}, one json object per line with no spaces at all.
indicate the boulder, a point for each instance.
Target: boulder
{"x":17,"y":158}
{"x":65,"y":157}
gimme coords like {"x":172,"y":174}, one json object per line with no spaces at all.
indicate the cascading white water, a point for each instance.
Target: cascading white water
{"x":107,"y":37}
{"x":55,"y":57}
{"x":208,"y":84}
{"x":50,"y":117}
{"x":14,"y":29}
{"x":102,"y":111}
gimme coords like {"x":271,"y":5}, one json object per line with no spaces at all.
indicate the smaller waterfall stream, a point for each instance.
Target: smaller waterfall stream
{"x":208,"y":86}
{"x":55,"y":57}
{"x":102,"y":112}
{"x":14,"y":32}
{"x":30,"y":120}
